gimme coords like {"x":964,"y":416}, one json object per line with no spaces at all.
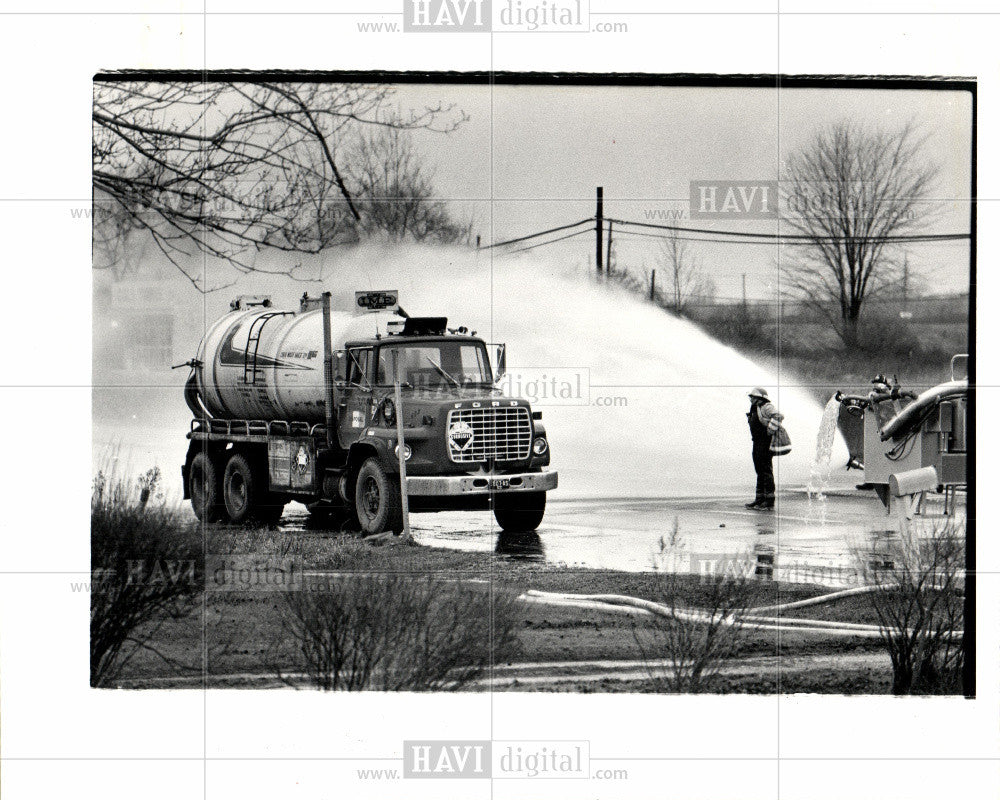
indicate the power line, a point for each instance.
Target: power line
{"x":694,"y":238}
{"x":551,"y":241}
{"x":536,"y":235}
{"x":777,"y":237}
{"x":727,"y":236}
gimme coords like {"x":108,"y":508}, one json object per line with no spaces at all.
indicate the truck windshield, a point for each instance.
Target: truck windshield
{"x":435,"y":364}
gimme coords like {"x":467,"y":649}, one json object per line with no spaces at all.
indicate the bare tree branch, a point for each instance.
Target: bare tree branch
{"x":230,"y":168}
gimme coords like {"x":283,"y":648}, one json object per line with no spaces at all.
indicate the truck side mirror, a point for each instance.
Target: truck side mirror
{"x":960,"y":367}
{"x":340,"y":366}
{"x":499,"y":360}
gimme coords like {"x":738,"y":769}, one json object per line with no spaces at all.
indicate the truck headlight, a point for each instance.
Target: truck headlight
{"x":389,"y":412}
{"x":539,"y":446}
{"x":407,"y":452}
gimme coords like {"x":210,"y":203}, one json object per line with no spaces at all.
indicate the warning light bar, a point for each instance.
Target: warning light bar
{"x":425,"y":326}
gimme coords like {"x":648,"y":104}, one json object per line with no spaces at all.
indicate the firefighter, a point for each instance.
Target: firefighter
{"x":764,"y":419}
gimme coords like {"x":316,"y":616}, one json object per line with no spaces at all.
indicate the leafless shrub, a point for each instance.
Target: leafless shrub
{"x":145,"y":567}
{"x":683,"y":650}
{"x":398,"y":632}
{"x":919,"y":605}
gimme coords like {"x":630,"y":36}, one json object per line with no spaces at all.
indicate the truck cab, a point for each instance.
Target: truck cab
{"x":465,"y":445}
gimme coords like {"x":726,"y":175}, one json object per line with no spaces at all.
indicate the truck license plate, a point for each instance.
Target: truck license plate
{"x":498,"y":484}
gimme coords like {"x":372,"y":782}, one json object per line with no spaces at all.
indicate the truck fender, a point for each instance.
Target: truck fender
{"x":365,"y":449}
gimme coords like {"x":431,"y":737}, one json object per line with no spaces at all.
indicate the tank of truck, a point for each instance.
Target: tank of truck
{"x":264,"y":364}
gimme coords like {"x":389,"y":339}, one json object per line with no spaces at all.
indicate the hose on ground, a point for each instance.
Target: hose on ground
{"x":749,"y":619}
{"x":816,"y":601}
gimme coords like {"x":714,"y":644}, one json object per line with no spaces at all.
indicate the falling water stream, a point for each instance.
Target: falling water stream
{"x":819,"y":473}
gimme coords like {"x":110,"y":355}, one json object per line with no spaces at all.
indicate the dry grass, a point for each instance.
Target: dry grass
{"x":146,"y":566}
{"x":920,"y":607}
{"x":684,"y":654}
{"x":398,"y":632}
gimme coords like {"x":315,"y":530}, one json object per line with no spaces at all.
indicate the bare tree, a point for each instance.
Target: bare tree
{"x":849,"y":191}
{"x":227,"y":168}
{"x":394,"y":188}
{"x":681,"y":270}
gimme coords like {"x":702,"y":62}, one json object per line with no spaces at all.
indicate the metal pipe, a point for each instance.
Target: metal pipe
{"x":328,"y":373}
{"x":401,"y":444}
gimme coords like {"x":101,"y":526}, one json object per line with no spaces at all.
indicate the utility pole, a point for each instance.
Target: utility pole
{"x":607,"y":262}
{"x":599,"y":228}
{"x":652,"y":285}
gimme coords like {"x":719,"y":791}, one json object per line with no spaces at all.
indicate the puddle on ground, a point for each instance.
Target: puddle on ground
{"x":832,"y":541}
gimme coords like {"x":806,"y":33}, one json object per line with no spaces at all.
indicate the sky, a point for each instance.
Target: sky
{"x":530,"y":157}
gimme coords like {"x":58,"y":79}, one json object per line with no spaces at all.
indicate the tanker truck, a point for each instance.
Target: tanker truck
{"x":309,"y":405}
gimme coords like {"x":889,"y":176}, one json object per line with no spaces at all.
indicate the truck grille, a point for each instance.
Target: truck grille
{"x":489,"y":434}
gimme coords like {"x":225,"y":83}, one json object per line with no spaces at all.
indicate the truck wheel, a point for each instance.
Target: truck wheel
{"x":205,"y":489}
{"x":245,"y":493}
{"x":377,"y":499}
{"x":519,"y":511}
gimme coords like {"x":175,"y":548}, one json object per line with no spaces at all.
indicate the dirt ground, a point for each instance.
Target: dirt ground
{"x":232,"y":635}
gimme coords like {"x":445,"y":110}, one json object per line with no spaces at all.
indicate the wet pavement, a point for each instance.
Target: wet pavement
{"x":804,"y":540}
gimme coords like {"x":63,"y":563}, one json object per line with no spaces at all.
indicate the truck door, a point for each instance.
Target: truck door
{"x":354,"y":403}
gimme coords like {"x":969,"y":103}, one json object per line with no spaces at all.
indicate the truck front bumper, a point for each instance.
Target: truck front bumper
{"x":481,"y":484}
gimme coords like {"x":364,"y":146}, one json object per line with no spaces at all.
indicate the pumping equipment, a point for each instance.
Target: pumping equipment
{"x":914,"y":443}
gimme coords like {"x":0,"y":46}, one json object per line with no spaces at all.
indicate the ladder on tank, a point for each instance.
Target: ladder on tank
{"x":250,"y":368}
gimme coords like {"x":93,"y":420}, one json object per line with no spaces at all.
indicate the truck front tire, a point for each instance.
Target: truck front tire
{"x":519,"y":512}
{"x":246,"y":496}
{"x":205,"y":489}
{"x":377,"y":499}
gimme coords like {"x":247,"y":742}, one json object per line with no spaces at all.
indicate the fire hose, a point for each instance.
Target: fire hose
{"x":751,"y":618}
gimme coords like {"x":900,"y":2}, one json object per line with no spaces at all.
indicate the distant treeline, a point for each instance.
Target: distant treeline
{"x":925,"y":308}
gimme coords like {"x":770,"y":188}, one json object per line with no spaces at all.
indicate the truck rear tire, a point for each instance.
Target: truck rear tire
{"x":246,"y":496}
{"x":205,"y":489}
{"x":519,"y":511}
{"x":377,"y":499}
